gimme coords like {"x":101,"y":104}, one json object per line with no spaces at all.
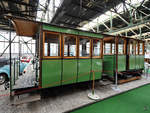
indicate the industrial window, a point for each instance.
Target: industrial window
{"x":107,"y":48}
{"x":141,"y":48}
{"x":96,"y":47}
{"x":69,"y":46}
{"x":84,"y":47}
{"x":52,"y":45}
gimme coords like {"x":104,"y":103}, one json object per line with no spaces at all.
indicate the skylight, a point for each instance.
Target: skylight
{"x":106,"y":16}
{"x":46,"y":16}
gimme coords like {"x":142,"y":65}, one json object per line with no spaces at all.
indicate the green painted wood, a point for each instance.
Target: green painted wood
{"x":108,"y":65}
{"x":97,"y":68}
{"x":142,"y":61}
{"x":51,"y":73}
{"x":137,"y":58}
{"x":121,"y":63}
{"x":84,"y":70}
{"x":134,"y":101}
{"x":90,"y":34}
{"x":136,"y":62}
{"x":69,"y":71}
{"x":70,"y":31}
{"x":132,"y":62}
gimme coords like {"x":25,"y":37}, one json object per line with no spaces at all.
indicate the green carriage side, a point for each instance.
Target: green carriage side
{"x":69,"y":69}
{"x":66,"y":55}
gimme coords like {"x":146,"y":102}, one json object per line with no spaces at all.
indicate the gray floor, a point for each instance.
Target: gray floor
{"x":26,"y":79}
{"x":58,"y":101}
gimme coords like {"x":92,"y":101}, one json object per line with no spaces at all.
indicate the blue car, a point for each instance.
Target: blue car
{"x":5,"y":70}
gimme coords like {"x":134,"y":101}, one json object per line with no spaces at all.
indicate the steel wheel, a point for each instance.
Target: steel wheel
{"x":2,"y":79}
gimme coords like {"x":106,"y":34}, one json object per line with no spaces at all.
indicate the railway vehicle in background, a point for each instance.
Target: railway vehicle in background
{"x":123,"y":57}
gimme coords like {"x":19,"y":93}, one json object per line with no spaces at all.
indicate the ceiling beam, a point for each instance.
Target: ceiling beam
{"x":89,"y":8}
{"x":128,"y":28}
{"x":20,"y":2}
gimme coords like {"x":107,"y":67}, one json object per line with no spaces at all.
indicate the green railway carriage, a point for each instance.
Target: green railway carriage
{"x":69,"y":56}
{"x":66,"y":56}
{"x":123,"y":57}
{"x":114,"y":55}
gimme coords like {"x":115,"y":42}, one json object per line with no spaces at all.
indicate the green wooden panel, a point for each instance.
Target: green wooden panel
{"x":138,"y":66}
{"x":90,"y":34}
{"x":132,"y":62}
{"x":139,"y":61}
{"x":69,"y":71}
{"x":71,"y":31}
{"x":142,"y":61}
{"x":97,"y":68}
{"x":108,"y":65}
{"x":121,"y":63}
{"x":84,"y":68}
{"x":59,"y":29}
{"x":51,"y":73}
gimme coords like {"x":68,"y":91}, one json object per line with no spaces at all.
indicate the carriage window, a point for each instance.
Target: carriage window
{"x":113,"y":48}
{"x":52,"y":45}
{"x":141,"y":49}
{"x":132,"y":49}
{"x":69,"y":46}
{"x":121,"y":46}
{"x":96,"y":47}
{"x":107,"y":48}
{"x":84,"y":47}
{"x":136,"y":48}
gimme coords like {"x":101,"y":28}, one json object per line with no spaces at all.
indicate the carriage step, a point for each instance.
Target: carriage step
{"x":26,"y":98}
{"x":121,"y":81}
{"x":129,"y":79}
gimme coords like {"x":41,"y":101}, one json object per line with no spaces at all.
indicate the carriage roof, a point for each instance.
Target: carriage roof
{"x":29,"y":28}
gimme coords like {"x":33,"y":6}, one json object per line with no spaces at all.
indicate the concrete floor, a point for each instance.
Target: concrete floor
{"x":66,"y":98}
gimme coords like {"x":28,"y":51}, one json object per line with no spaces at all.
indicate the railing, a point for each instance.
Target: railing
{"x":15,"y":71}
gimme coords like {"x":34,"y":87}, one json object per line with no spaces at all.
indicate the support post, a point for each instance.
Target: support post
{"x":111,"y":22}
{"x":93,"y":95}
{"x":97,"y":26}
{"x":115,"y":88}
{"x":14,"y":71}
{"x":19,"y":54}
{"x":10,"y":59}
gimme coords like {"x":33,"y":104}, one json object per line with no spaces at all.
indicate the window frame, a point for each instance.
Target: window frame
{"x":110,"y":48}
{"x":90,"y":55}
{"x":101,"y":45}
{"x":134,"y":46}
{"x":124,"y":46}
{"x":143,"y":51}
{"x":137,"y":47}
{"x":60,"y":49}
{"x":64,"y":45}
